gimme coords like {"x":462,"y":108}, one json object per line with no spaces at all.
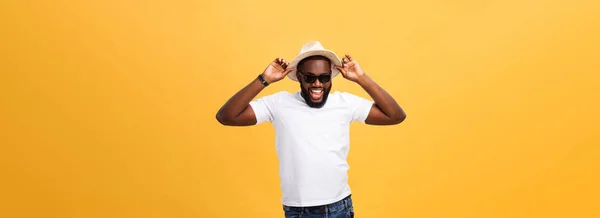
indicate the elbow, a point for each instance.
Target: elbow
{"x":223,"y":119}
{"x":400,"y":118}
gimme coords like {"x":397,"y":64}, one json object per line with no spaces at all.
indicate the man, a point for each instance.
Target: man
{"x":312,"y":126}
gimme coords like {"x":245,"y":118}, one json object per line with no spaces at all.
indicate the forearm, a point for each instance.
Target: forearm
{"x":238,"y":102}
{"x":383,"y":99}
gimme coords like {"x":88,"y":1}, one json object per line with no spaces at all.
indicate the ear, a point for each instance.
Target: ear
{"x":297,"y":76}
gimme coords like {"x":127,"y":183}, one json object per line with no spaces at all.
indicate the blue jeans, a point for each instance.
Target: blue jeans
{"x":339,"y":209}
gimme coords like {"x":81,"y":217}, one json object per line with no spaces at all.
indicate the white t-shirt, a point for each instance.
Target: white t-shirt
{"x":312,"y":144}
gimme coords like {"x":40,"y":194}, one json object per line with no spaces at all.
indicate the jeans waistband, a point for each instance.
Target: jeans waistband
{"x":345,"y":203}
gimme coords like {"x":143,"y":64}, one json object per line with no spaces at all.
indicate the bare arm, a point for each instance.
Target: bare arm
{"x":237,"y":111}
{"x":386,"y":110}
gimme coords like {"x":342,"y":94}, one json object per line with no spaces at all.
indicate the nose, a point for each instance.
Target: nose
{"x":317,"y":83}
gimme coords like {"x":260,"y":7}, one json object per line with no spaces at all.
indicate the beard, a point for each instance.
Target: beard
{"x":309,"y":102}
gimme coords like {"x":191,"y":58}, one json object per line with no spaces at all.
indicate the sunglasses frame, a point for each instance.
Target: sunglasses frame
{"x":323,"y":78}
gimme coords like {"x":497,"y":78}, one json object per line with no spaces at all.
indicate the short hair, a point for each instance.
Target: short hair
{"x":314,"y":57}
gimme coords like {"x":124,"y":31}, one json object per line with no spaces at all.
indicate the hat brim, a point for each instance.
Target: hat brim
{"x":327,"y":53}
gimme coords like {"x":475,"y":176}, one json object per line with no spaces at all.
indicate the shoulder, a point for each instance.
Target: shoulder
{"x":281,"y":95}
{"x":347,"y":96}
{"x":276,"y":97}
{"x":352,"y":100}
{"x":344,"y":94}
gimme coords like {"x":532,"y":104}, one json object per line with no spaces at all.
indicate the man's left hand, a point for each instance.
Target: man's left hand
{"x":350,"y":69}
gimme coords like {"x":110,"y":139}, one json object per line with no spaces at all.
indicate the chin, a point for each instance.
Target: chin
{"x":316,"y":104}
{"x":313,"y":104}
{"x":310,"y":102}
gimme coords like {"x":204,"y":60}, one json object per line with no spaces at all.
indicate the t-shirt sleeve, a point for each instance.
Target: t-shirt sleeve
{"x":264,"y":108}
{"x":359,"y":107}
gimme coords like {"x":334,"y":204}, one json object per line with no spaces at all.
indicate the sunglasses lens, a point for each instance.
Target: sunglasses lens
{"x":323,"y":78}
{"x":310,"y":79}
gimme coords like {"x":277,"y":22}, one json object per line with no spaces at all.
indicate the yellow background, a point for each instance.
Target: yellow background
{"x":108,"y":107}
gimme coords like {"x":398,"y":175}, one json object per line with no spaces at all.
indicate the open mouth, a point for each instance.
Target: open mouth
{"x":316,"y":93}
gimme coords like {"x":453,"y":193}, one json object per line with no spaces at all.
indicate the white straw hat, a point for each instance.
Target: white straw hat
{"x":311,"y":49}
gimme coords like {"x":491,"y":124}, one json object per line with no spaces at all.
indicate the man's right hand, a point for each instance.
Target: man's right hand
{"x":276,"y":70}
{"x":237,"y":110}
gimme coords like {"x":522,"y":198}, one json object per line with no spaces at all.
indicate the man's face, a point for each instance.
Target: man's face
{"x":315,"y":81}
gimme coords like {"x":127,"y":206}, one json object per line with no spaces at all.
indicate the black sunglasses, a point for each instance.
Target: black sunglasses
{"x":323,"y":78}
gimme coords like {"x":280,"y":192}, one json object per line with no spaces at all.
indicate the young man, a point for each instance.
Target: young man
{"x":312,"y":126}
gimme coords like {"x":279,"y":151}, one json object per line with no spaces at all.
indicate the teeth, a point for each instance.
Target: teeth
{"x":316,"y":91}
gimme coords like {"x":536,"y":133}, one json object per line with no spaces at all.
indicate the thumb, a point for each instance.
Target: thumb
{"x":288,"y":70}
{"x":341,"y":69}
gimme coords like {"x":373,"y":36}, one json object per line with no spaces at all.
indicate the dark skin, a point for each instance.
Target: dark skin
{"x":385,"y":111}
{"x":312,"y":67}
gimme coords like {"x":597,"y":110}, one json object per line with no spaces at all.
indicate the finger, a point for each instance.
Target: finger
{"x":288,"y":70}
{"x":281,"y":62}
{"x":276,"y":63}
{"x":349,"y":57}
{"x":341,"y":69}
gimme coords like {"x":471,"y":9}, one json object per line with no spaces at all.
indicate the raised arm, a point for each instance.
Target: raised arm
{"x":386,"y":110}
{"x":237,"y":111}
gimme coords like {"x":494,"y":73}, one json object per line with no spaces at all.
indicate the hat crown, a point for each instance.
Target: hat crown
{"x":311,"y":46}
